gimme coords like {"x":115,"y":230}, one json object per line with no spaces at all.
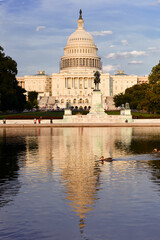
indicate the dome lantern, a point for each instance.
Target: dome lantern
{"x":80,"y":21}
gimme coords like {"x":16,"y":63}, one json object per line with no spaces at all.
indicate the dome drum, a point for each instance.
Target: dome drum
{"x":81,"y":62}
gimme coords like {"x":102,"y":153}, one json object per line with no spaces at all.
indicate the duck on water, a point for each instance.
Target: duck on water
{"x":109,"y":159}
{"x":156,"y":151}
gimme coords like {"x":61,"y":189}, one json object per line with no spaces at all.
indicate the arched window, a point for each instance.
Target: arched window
{"x":68,"y":100}
{"x":80,"y":100}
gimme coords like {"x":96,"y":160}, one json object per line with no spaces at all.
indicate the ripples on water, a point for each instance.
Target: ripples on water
{"x":53,"y":186}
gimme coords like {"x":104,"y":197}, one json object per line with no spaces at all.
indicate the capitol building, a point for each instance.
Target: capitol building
{"x":75,"y":81}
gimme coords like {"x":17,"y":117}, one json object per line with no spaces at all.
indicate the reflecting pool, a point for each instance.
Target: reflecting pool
{"x":53,"y":186}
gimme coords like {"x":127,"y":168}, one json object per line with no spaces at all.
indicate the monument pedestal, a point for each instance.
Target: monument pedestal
{"x":97,"y":103}
{"x":96,"y":114}
{"x":67,"y":112}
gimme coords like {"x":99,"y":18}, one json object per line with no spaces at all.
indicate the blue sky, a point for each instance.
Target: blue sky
{"x":127,"y":33}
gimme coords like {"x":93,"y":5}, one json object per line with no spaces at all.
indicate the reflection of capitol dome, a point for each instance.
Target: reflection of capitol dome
{"x":80,"y":50}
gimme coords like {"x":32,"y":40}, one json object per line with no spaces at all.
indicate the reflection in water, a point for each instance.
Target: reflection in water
{"x":67,"y":158}
{"x":82,"y":183}
{"x":79,"y":150}
{"x":155,"y":166}
{"x":10,"y":149}
{"x":142,"y":141}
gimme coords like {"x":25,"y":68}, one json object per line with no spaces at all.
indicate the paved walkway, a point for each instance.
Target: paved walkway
{"x":56,"y":125}
{"x":46,"y":123}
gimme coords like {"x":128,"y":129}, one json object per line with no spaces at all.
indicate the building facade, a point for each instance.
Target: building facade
{"x":75,"y":81}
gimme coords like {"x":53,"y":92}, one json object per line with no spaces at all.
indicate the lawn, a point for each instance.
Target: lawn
{"x":59,"y":114}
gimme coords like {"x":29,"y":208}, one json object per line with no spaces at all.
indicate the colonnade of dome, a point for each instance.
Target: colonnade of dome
{"x":81,"y":62}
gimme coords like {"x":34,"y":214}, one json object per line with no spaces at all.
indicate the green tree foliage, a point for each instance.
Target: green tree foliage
{"x":151,"y":101}
{"x":32,"y":100}
{"x":133,"y":95}
{"x":32,"y":96}
{"x":120,"y":99}
{"x":154,"y":76}
{"x":144,"y":96}
{"x":11,"y":95}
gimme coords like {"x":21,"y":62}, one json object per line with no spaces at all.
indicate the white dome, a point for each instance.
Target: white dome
{"x":80,"y":36}
{"x":80,"y":51}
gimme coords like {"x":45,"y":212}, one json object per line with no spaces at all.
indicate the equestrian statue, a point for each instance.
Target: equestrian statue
{"x":97,"y":80}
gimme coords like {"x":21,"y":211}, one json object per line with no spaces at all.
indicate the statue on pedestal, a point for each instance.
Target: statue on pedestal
{"x":68,"y":105}
{"x":97,"y":80}
{"x":80,"y":14}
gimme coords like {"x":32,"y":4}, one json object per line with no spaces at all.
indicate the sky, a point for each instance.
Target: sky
{"x":127,"y":33}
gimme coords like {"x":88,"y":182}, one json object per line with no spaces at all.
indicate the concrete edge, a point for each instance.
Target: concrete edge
{"x":57,"y":125}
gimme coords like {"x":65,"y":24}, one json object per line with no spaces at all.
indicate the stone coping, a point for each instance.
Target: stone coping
{"x":72,"y":125}
{"x":46,"y":123}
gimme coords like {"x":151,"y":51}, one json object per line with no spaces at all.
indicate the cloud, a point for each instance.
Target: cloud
{"x":112,"y":46}
{"x":136,"y":62}
{"x":101,"y":33}
{"x":156,"y":3}
{"x":38,"y":28}
{"x":125,"y":54}
{"x":153,"y":49}
{"x":111,"y":68}
{"x":124,"y":42}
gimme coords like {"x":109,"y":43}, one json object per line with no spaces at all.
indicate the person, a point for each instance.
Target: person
{"x":35,"y":120}
{"x":51,"y":120}
{"x":4,"y":121}
{"x":39,"y":120}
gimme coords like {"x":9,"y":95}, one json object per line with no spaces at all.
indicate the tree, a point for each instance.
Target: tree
{"x":151,"y":101}
{"x":154,"y":76}
{"x":32,"y":100}
{"x":11,"y":95}
{"x":120,"y":99}
{"x":133,"y":95}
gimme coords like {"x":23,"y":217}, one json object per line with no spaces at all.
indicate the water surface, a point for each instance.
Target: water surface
{"x":53,"y":186}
